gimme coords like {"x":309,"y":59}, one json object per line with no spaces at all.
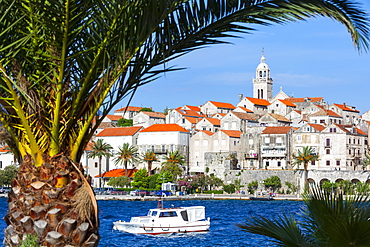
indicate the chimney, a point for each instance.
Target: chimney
{"x":344,"y":104}
{"x":240,"y":97}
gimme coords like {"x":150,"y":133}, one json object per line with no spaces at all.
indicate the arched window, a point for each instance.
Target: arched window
{"x":264,"y":73}
{"x":260,"y":73}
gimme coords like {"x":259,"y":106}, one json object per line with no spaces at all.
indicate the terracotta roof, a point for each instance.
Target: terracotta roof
{"x":129,"y":108}
{"x":279,"y":117}
{"x":318,"y":127}
{"x":360,"y":132}
{"x":277,"y":130}
{"x":232,"y":133}
{"x":245,"y":116}
{"x":117,"y":173}
{"x":326,"y":113}
{"x":193,"y":108}
{"x":213,"y":121}
{"x":192,"y":120}
{"x":223,"y":105}
{"x":154,"y":114}
{"x":5,"y":149}
{"x":89,"y":146}
{"x":245,"y":109}
{"x":287,"y":102}
{"x":258,"y":101}
{"x":120,"y":131}
{"x":114,"y":117}
{"x":300,"y":100}
{"x":344,"y":107}
{"x":105,"y":125}
{"x":164,"y":128}
{"x":189,"y":113}
{"x":210,"y":133}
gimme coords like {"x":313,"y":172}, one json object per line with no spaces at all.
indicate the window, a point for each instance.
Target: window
{"x":96,"y":164}
{"x":197,"y":163}
{"x":338,"y":162}
{"x":277,"y":105}
{"x":349,"y":140}
{"x":234,"y":143}
{"x":328,"y":162}
{"x":327,"y":142}
{"x":279,"y":140}
{"x":322,"y":121}
{"x":279,"y":163}
{"x":327,"y":151}
{"x":313,"y":163}
{"x":267,"y":163}
{"x":163,"y":148}
{"x":349,"y":151}
{"x":152,"y":148}
{"x":183,"y":120}
{"x":172,"y":147}
{"x":358,"y":141}
{"x":299,"y":138}
{"x":267,"y":139}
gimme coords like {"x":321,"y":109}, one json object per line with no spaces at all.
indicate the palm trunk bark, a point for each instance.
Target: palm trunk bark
{"x":100,"y":175}
{"x":149,"y":168}
{"x":54,"y":202}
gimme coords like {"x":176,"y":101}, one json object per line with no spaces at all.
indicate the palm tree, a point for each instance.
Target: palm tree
{"x":150,"y":157}
{"x":304,"y":157}
{"x":173,"y":164}
{"x":329,"y":219}
{"x":126,"y":154}
{"x":63,"y":61}
{"x":100,"y":149}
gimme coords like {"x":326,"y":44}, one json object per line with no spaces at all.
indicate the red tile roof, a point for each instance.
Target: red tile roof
{"x":287,"y":102}
{"x":258,"y":101}
{"x":223,"y":105}
{"x":232,"y":133}
{"x":5,"y":149}
{"x":210,"y":133}
{"x":129,"y":108}
{"x":318,"y":127}
{"x":300,"y":100}
{"x":193,"y":108}
{"x":245,"y":116}
{"x":119,"y":131}
{"x":245,"y":109}
{"x":114,"y":117}
{"x":189,"y":113}
{"x":192,"y":120}
{"x":154,"y":114}
{"x":164,"y":128}
{"x":344,"y":107}
{"x":213,"y":121}
{"x":279,"y":117}
{"x":277,"y":130}
{"x":117,"y":173}
{"x":326,"y":113}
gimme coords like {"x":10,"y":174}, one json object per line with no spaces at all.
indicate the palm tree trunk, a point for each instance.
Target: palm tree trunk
{"x":149,"y":168}
{"x":100,"y":172}
{"x":125,"y":163}
{"x":305,"y":176}
{"x":54,"y":202}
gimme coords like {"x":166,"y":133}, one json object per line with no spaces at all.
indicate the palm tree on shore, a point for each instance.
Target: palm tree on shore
{"x":63,"y":61}
{"x":100,"y":149}
{"x":174,"y":163}
{"x":304,"y":156}
{"x":150,"y":157}
{"x":127,"y":154}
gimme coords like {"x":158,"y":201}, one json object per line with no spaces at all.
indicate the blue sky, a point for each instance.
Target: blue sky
{"x":315,"y":58}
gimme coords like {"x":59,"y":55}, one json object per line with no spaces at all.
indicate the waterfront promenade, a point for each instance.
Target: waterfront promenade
{"x":192,"y":197}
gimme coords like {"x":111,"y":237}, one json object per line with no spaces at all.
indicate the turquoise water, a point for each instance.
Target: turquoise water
{"x":224,"y":214}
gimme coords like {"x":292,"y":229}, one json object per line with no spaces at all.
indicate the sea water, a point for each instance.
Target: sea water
{"x":224,"y":215}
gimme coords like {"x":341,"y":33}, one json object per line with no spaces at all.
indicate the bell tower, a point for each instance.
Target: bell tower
{"x":262,"y":84}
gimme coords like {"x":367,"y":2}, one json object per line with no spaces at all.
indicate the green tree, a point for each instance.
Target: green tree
{"x":100,"y":149}
{"x":126,"y":154}
{"x":141,"y":180}
{"x":272,"y":182}
{"x":119,"y":182}
{"x":150,"y":157}
{"x":229,"y":188}
{"x":146,"y":109}
{"x":291,"y":187}
{"x":252,"y":186}
{"x":304,"y":157}
{"x":153,"y":182}
{"x":63,"y":61}
{"x":174,"y":163}
{"x":164,"y":177}
{"x":7,"y":175}
{"x":329,"y":219}
{"x":125,"y":122}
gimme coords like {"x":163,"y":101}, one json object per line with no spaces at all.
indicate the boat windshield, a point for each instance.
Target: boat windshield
{"x":152,"y":213}
{"x":168,"y":214}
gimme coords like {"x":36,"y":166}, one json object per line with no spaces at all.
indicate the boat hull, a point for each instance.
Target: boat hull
{"x":201,"y":226}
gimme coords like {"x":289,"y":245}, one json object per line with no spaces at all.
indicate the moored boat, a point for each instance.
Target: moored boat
{"x":167,"y":220}
{"x":270,"y":198}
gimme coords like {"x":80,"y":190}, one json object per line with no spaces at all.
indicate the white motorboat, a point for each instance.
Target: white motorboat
{"x":167,"y":220}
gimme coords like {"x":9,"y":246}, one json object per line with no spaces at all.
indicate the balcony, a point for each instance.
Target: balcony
{"x":251,"y":156}
{"x":159,"y":151}
{"x":273,"y":154}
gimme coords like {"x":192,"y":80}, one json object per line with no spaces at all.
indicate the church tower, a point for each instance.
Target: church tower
{"x":262,"y":85}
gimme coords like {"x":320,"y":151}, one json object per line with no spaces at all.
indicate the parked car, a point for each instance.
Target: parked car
{"x":4,"y":190}
{"x":160,"y":193}
{"x":116,"y":192}
{"x":139,"y":193}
